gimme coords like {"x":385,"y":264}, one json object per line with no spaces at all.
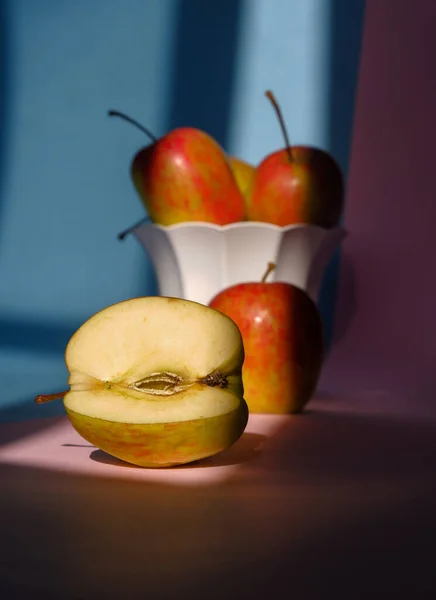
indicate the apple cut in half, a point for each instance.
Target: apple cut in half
{"x":156,"y":381}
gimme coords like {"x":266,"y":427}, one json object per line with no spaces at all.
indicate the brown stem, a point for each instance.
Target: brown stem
{"x":42,"y":398}
{"x":126,"y":232}
{"x":270,"y":269}
{"x":117,"y":113}
{"x":279,"y":113}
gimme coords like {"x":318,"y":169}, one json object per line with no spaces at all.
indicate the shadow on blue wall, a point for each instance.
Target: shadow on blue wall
{"x":20,"y":334}
{"x":200,"y":93}
{"x":346,"y":37}
{"x":5,"y":87}
{"x":204,"y":66}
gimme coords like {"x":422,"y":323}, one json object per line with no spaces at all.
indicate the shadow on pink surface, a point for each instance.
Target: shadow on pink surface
{"x":333,"y":448}
{"x":347,"y":307}
{"x":337,"y":505}
{"x":333,"y":502}
{"x":329,"y":444}
{"x":387,"y":339}
{"x":248,"y":447}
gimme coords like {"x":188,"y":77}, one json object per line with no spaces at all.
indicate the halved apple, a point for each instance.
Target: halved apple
{"x":157,"y":381}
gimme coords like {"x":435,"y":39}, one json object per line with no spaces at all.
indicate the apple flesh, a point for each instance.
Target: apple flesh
{"x":157,"y":381}
{"x":283,"y":340}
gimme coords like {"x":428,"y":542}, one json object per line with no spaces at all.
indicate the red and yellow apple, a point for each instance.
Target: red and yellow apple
{"x":297,"y":184}
{"x":185,"y":176}
{"x":283,"y":339}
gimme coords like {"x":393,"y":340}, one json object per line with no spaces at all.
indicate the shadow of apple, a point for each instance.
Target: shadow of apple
{"x":244,"y":450}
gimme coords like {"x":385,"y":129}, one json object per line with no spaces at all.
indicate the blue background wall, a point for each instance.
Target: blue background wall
{"x":65,"y":190}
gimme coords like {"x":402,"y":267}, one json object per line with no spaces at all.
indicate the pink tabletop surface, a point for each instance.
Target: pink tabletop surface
{"x":58,"y":447}
{"x":53,"y":444}
{"x":337,"y":502}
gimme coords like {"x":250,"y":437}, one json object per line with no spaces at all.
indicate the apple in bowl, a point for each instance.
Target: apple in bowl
{"x":156,"y":381}
{"x":296,"y":184}
{"x":186,"y":176}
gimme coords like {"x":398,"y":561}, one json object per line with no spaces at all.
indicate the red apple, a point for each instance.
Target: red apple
{"x":283,"y":339}
{"x":186,"y":176}
{"x":298,"y":184}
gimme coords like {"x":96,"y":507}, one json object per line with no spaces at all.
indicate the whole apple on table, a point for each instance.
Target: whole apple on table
{"x":283,"y":342}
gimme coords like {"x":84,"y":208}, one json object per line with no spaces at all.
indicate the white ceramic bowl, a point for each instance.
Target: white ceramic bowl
{"x":195,"y":260}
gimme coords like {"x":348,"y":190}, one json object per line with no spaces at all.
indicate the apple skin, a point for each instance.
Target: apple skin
{"x":283,"y":339}
{"x":243,"y":173}
{"x":156,"y":445}
{"x":310,"y":189}
{"x":186,"y":176}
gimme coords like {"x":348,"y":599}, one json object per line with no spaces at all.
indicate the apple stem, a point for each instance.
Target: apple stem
{"x":123,"y":234}
{"x":279,"y":113}
{"x":117,"y":113}
{"x":270,"y":269}
{"x":42,"y":398}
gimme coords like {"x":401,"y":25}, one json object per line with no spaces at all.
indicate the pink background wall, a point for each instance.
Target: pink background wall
{"x":385,"y":349}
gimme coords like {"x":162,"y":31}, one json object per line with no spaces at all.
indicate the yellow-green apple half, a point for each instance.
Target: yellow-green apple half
{"x":156,"y":381}
{"x":283,"y":340}
{"x":185,"y":176}
{"x":297,"y":184}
